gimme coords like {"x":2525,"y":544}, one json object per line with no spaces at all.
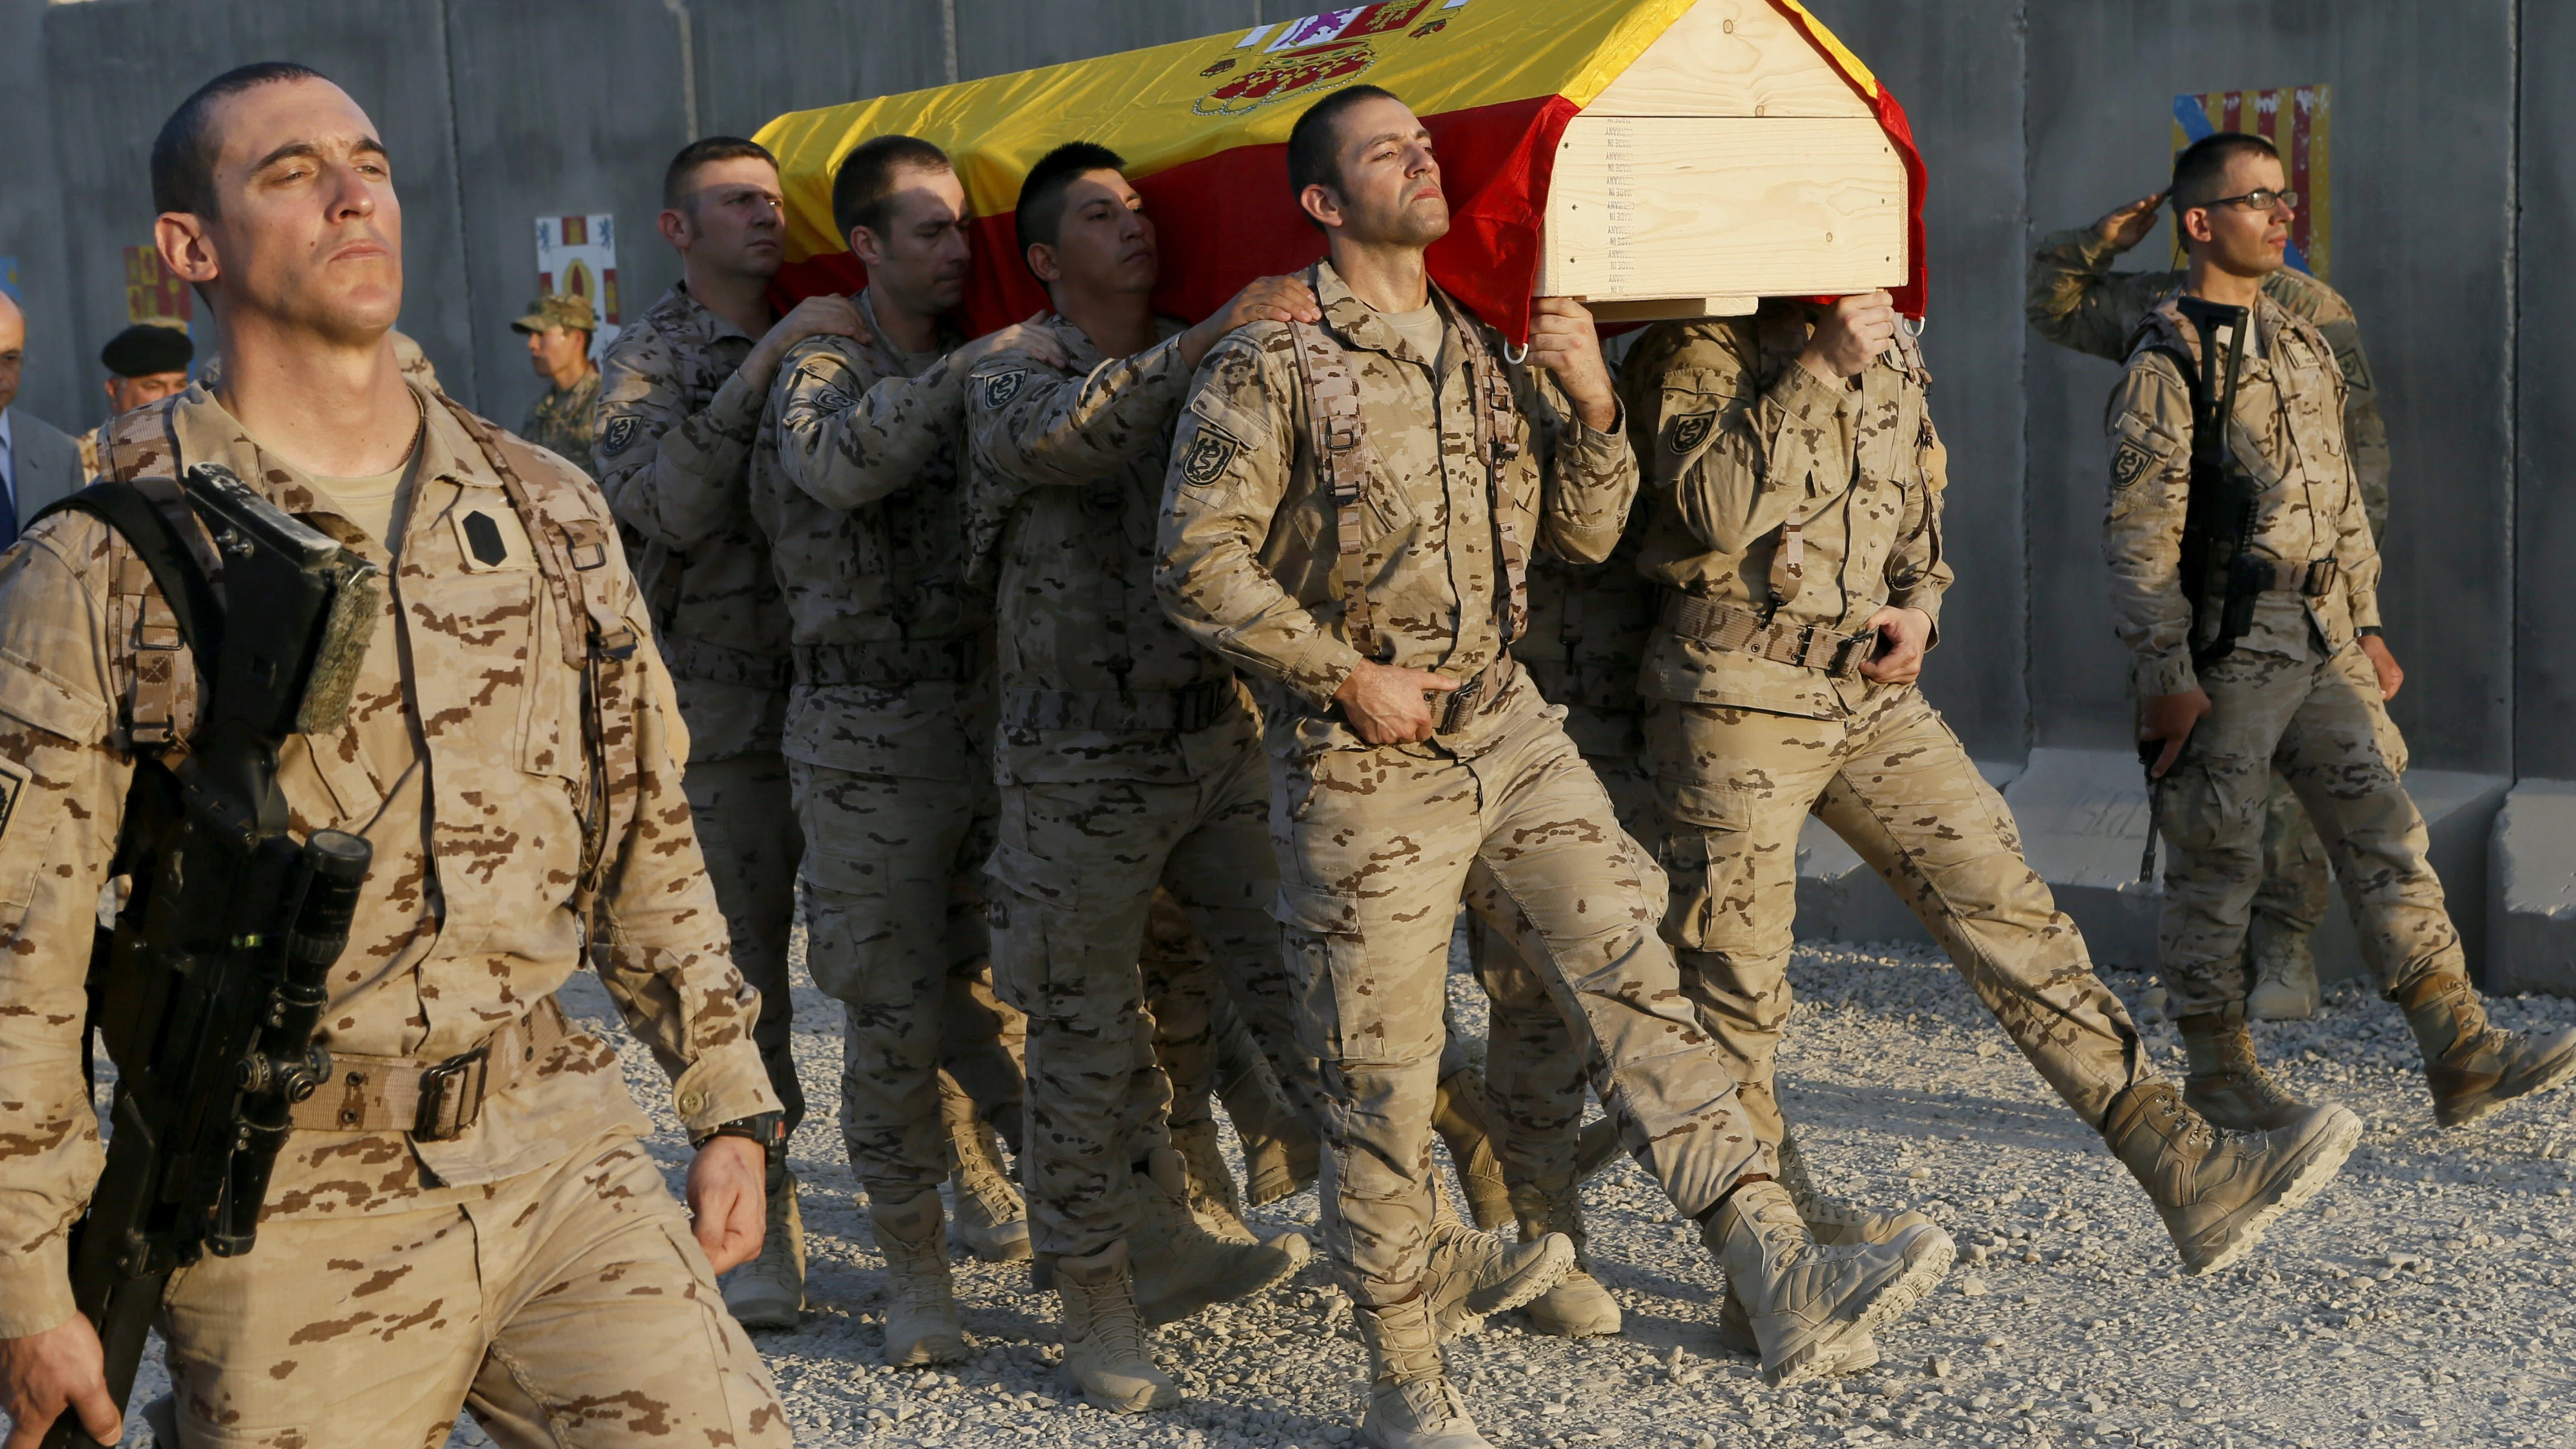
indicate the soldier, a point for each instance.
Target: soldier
{"x":145,"y":363}
{"x":680,"y":394}
{"x":2300,"y":690}
{"x":1347,"y":520}
{"x":514,"y":1251}
{"x":559,"y":327}
{"x":855,"y":490}
{"x":2076,"y":302}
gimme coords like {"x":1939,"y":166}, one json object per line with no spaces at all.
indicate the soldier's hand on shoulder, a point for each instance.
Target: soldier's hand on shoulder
{"x":1564,"y":340}
{"x":2126,"y":226}
{"x":1264,"y":299}
{"x":829,"y":315}
{"x":1030,"y":338}
{"x":1850,"y":334}
{"x":1387,"y":704}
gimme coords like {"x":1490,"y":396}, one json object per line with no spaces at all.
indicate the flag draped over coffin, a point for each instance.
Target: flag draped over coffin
{"x":1204,"y":127}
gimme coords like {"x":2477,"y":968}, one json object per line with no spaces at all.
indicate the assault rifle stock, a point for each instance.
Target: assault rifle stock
{"x":209,"y":988}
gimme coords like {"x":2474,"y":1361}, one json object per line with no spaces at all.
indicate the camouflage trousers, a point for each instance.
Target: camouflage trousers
{"x":1893,"y":781}
{"x":2296,"y":891}
{"x":570,"y":1305}
{"x":895,"y":932}
{"x":747,"y":826}
{"x":1377,"y":848}
{"x":2321,"y":726}
{"x":1077,"y":869}
{"x":1534,"y":1076}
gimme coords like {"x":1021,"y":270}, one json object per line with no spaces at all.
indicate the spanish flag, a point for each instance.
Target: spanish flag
{"x":1204,"y":126}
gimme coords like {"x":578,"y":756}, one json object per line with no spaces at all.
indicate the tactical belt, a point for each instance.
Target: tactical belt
{"x":1192,"y":708}
{"x":713,"y":663}
{"x":886,"y":662}
{"x":432,"y":1101}
{"x":1809,"y":646}
{"x":2312,"y":578}
{"x":1476,"y":696}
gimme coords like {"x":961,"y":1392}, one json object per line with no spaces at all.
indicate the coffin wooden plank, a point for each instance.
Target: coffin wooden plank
{"x":1729,"y":58}
{"x":1704,"y":206}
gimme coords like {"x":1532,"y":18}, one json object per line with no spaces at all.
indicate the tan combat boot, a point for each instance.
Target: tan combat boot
{"x":1473,"y":1274}
{"x":1182,"y":1267}
{"x":1833,"y":1222}
{"x":1104,"y":1339}
{"x":1813,"y":1307}
{"x":921,"y":1304}
{"x":2285,"y":974}
{"x":1281,"y":1157}
{"x":2223,"y":1081}
{"x":992,"y":1221}
{"x":1458,"y":1115}
{"x":2217,"y":1191}
{"x":1576,"y":1306}
{"x":769,"y":1291}
{"x":1213,"y":1200}
{"x":2474,"y":1068}
{"x":1412,"y":1404}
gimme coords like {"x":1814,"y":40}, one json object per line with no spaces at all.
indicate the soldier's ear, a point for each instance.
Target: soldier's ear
{"x":1321,"y":203}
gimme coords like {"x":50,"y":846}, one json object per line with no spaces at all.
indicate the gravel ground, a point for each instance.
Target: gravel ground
{"x":2422,"y":1299}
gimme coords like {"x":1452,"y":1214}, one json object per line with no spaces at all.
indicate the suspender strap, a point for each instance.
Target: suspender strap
{"x":1333,"y":414}
{"x":1490,"y":393}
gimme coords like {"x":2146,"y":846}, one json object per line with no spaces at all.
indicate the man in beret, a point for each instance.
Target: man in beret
{"x":145,"y":363}
{"x":558,"y":328}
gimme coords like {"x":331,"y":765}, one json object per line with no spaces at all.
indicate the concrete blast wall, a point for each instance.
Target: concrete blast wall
{"x":2450,"y":148}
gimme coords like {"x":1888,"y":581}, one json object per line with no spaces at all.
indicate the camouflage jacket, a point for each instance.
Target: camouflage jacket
{"x":1249,"y":532}
{"x":1588,"y":625}
{"x":857,"y":489}
{"x":2288,"y":431}
{"x":462,"y":762}
{"x":673,"y":453}
{"x":1061,"y":509}
{"x":561,"y":420}
{"x":2077,"y":302}
{"x":1784,"y":496}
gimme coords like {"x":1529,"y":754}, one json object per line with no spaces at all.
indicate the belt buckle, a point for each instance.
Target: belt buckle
{"x":2322,"y":573}
{"x":1461,"y":705}
{"x":1198,"y":708}
{"x":442,"y":1088}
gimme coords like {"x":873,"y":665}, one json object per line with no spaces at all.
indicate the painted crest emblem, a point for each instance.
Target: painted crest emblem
{"x":1293,"y":75}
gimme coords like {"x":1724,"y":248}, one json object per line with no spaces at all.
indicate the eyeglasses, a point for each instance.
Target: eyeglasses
{"x":2263,"y":200}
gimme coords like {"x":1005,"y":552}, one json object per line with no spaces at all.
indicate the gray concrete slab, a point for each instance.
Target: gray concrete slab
{"x":121,"y":66}
{"x":2544,"y":537}
{"x":2423,"y":111}
{"x":1841,"y":899}
{"x":533,"y":140}
{"x":2532,"y":900}
{"x":2460,"y":808}
{"x":2084,"y":817}
{"x":756,"y":59}
{"x":994,"y":36}
{"x":1957,"y":69}
{"x":60,"y":382}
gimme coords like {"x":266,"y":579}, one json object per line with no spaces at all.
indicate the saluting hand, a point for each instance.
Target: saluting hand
{"x":1264,"y":299}
{"x":1564,"y":340}
{"x":2126,"y":226}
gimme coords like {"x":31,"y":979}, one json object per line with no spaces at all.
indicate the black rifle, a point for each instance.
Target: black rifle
{"x":2218,"y":516}
{"x":211,"y":984}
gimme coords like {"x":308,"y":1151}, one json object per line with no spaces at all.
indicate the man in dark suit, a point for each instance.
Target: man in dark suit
{"x":37,"y":463}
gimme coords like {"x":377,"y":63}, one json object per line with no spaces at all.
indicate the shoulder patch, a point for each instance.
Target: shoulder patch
{"x":1211,"y":453}
{"x":2130,"y":463}
{"x":997,"y":389}
{"x":620,"y":432}
{"x":13,"y":783}
{"x":1689,"y":432}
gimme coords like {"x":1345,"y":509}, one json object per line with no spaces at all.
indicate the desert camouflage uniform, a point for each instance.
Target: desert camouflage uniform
{"x":857,"y":491}
{"x":2296,"y":695}
{"x":1128,"y":757}
{"x":1377,"y":845}
{"x":533,"y":1265}
{"x":1789,"y":502}
{"x":2077,"y":303}
{"x":565,"y":420}
{"x":672,"y":450}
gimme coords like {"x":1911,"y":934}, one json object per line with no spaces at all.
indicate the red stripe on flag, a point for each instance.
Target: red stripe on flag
{"x":1496,"y":160}
{"x":2234,"y":111}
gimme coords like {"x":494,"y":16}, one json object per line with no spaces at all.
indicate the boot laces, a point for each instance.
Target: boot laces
{"x":1112,"y":1320}
{"x":1433,"y":1404}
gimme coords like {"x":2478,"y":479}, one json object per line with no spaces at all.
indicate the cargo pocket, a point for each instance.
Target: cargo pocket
{"x":1706,"y":902}
{"x":2216,"y":802}
{"x":1028,"y":900}
{"x":1342,"y":1014}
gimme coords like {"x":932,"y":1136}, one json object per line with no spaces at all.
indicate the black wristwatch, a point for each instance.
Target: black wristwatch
{"x":2368,"y":631}
{"x":769,"y":1129}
